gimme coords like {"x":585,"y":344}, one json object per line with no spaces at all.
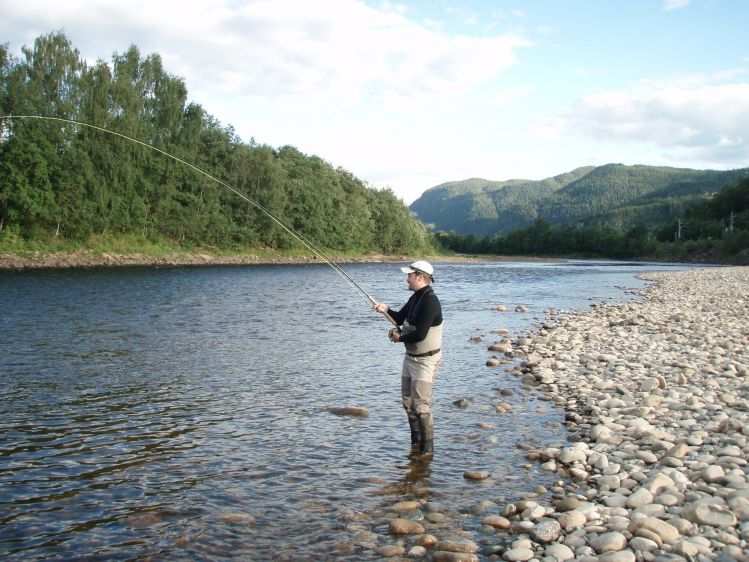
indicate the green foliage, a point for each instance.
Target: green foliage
{"x":62,"y":182}
{"x":712,"y":228}
{"x":613,"y":195}
{"x":482,"y":207}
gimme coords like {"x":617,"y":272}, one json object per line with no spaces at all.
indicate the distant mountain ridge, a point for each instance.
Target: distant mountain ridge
{"x":613,"y":194}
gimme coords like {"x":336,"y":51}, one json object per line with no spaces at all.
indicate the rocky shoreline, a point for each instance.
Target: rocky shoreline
{"x":658,"y":395}
{"x":87,"y":259}
{"x":656,"y":399}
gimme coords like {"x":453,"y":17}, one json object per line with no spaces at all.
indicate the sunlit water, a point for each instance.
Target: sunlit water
{"x":180,"y":413}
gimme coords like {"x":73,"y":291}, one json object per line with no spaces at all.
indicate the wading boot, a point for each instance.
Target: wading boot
{"x":426,"y":444}
{"x":415,"y":432}
{"x":426,"y":447}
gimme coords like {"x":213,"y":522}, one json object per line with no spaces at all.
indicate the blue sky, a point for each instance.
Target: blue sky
{"x":412,"y":94}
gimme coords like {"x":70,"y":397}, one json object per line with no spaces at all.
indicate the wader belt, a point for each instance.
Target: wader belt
{"x":427,"y":354}
{"x":430,"y":345}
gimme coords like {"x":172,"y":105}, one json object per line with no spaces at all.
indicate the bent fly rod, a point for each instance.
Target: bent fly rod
{"x":305,"y":242}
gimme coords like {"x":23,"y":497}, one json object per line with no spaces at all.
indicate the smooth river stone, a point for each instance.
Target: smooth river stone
{"x":567,"y":504}
{"x":608,"y":542}
{"x":709,"y":514}
{"x":496,"y":521}
{"x":571,"y":520}
{"x":404,"y":527}
{"x":350,"y":411}
{"x":621,"y":556}
{"x":237,"y":518}
{"x":664,"y":530}
{"x":712,"y":473}
{"x":639,"y":498}
{"x":447,"y":556}
{"x":427,"y":540}
{"x":457,"y":546}
{"x":519,"y":554}
{"x":435,"y":517}
{"x":559,"y":552}
{"x":404,"y":506}
{"x":657,"y":483}
{"x":476,"y":474}
{"x":390,"y":551}
{"x":643,"y":544}
{"x":546,"y":531}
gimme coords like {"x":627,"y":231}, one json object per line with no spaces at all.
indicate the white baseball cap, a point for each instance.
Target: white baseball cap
{"x":420,"y":267}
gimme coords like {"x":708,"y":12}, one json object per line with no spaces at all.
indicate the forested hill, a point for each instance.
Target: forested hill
{"x":64,"y":181}
{"x":612,"y":195}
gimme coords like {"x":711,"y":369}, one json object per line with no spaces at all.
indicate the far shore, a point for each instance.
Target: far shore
{"x":86,"y":259}
{"x":89,"y":259}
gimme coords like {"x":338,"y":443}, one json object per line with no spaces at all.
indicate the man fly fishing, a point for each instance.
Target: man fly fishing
{"x":418,"y":323}
{"x":420,"y":329}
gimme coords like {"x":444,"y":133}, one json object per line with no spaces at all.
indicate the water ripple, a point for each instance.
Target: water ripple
{"x":176,"y":414}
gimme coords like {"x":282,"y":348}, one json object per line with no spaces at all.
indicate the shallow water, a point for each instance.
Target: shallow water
{"x":180,"y":413}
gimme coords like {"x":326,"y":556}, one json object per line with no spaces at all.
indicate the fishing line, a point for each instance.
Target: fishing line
{"x":307,"y":243}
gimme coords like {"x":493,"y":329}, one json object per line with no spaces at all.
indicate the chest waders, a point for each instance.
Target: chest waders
{"x":417,"y":379}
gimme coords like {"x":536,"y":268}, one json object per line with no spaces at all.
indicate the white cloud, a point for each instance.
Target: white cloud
{"x":379,"y":89}
{"x":366,"y":86}
{"x":669,"y":5}
{"x":502,"y":97}
{"x":342,"y":51}
{"x":547,"y":30}
{"x":708,"y":122}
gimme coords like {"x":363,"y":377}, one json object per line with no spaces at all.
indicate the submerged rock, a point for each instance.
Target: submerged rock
{"x":401,"y":526}
{"x":460,"y":403}
{"x":476,"y":474}
{"x":349,"y":411}
{"x":245,"y":518}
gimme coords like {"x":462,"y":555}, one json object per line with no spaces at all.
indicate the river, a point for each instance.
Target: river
{"x":181,"y":413}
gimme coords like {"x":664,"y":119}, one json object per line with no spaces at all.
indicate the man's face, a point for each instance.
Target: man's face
{"x":415,"y":281}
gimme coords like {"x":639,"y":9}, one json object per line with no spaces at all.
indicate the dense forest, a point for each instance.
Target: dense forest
{"x":63,"y":181}
{"x":714,"y":228}
{"x":59,"y":180}
{"x":613,"y":195}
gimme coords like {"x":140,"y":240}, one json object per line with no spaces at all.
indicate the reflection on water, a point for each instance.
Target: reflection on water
{"x":182,"y":413}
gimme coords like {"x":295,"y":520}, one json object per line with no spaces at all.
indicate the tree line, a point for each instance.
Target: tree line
{"x":61,"y":180}
{"x":712,"y":227}
{"x":612,"y":195}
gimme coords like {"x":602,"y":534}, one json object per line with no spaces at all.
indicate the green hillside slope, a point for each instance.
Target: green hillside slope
{"x":117,"y":151}
{"x":611,"y":195}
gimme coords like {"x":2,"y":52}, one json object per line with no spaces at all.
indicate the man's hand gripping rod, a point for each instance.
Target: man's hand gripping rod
{"x":378,"y":307}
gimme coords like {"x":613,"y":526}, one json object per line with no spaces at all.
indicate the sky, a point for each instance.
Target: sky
{"x":408,"y":95}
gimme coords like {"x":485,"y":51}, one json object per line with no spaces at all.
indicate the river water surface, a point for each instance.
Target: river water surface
{"x":181,"y":413}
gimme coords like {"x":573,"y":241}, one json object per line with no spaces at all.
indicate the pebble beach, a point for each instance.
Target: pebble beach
{"x":655,"y":394}
{"x":618,"y":432}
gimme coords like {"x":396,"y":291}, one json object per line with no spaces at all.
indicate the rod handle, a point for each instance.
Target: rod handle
{"x":385,"y":314}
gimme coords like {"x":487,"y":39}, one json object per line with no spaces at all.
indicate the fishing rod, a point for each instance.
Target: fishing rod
{"x":305,"y":242}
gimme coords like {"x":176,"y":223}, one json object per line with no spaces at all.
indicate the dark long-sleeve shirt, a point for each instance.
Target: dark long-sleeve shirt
{"x":423,"y":310}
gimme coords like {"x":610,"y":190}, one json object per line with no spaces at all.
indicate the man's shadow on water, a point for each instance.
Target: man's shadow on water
{"x":419,"y":467}
{"x":416,"y":479}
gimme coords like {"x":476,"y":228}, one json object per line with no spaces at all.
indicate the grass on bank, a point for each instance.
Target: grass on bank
{"x":15,"y":245}
{"x":12,"y":244}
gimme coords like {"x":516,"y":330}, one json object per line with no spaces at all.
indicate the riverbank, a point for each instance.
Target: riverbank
{"x":656,"y":399}
{"x":83,"y":259}
{"x":656,"y":394}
